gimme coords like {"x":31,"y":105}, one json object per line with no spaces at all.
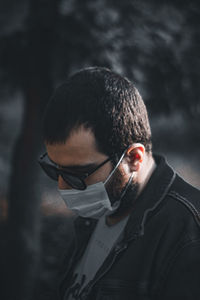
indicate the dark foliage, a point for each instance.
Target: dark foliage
{"x":154,"y":43}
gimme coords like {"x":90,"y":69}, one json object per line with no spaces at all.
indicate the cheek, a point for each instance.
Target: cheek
{"x":62,"y":185}
{"x":115,"y":184}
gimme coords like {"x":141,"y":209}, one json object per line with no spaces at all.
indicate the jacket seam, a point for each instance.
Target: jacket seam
{"x":187,"y":204}
{"x":156,"y":205}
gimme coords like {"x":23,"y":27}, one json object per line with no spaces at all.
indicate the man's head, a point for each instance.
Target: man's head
{"x":94,"y":115}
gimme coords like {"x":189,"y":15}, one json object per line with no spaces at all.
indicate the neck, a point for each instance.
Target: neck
{"x":146,"y":171}
{"x":110,"y":221}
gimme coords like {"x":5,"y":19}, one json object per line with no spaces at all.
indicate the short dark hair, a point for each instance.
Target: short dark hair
{"x":103,"y":101}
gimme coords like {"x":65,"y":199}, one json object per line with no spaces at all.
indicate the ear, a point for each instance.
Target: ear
{"x":135,"y":156}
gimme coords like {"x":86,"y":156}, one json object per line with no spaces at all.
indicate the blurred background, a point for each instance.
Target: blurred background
{"x":156,"y":44}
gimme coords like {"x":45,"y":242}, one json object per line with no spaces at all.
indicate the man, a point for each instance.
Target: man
{"x":137,"y":231}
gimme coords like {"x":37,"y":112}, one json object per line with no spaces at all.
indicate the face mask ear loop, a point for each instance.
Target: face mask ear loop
{"x":115,"y":167}
{"x":126,"y":187}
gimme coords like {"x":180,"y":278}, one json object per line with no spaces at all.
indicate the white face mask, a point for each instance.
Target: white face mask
{"x":93,"y":202}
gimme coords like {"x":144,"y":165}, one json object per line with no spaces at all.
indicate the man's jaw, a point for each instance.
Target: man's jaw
{"x":127,"y":201}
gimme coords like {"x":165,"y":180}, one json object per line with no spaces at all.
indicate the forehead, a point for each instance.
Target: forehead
{"x":78,"y":149}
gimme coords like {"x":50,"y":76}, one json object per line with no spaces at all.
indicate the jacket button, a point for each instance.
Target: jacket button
{"x":87,"y":223}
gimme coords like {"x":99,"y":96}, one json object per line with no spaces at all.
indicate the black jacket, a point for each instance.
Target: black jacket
{"x":159,"y":256}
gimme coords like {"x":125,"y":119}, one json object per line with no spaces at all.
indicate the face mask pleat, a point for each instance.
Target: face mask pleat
{"x":92,"y":202}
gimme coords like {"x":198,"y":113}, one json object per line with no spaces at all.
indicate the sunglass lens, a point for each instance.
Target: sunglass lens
{"x":50,"y":171}
{"x":74,"y":181}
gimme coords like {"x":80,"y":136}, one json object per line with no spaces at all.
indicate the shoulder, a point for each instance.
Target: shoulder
{"x":186,"y":199}
{"x":179,"y":215}
{"x":186,"y":190}
{"x":176,"y":219}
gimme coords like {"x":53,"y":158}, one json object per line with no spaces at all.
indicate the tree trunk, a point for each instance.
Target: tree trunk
{"x":24,"y":201}
{"x":23,"y":209}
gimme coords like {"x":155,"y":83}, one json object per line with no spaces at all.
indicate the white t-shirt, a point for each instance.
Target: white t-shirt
{"x":101,"y":242}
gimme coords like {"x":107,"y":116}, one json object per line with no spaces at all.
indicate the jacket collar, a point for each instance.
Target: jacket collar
{"x":150,"y":198}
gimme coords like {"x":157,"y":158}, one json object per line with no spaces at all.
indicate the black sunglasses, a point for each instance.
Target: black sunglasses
{"x":74,"y":180}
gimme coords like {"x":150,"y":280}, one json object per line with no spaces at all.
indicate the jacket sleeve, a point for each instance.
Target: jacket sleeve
{"x":182,"y":280}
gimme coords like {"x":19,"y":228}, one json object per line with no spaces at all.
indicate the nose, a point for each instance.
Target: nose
{"x":62,"y":185}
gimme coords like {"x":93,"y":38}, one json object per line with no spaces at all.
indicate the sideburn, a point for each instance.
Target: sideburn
{"x":128,"y":200}
{"x":115,"y":188}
